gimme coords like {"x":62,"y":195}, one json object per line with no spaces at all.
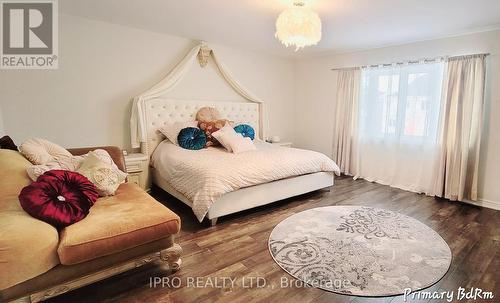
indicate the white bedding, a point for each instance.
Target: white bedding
{"x":204,"y":175}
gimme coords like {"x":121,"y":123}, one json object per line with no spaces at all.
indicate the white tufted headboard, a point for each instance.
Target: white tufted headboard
{"x":161,"y":111}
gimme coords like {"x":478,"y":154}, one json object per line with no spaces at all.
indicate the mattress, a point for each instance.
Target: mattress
{"x":203,"y":176}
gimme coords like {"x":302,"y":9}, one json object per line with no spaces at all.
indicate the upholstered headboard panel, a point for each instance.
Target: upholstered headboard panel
{"x":162,"y":111}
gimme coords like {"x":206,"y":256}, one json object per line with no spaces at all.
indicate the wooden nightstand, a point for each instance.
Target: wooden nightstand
{"x":138,"y":170}
{"x":284,"y":144}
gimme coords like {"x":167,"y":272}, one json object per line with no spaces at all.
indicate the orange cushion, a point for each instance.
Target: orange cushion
{"x":13,"y":178}
{"x":128,"y":219}
{"x":27,"y":245}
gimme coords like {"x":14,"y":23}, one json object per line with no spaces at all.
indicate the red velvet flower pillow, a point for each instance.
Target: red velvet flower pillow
{"x":59,"y":197}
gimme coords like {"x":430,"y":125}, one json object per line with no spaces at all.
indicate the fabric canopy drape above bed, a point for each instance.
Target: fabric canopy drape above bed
{"x":138,"y":130}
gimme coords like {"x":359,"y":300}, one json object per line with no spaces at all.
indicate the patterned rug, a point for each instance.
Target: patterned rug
{"x":360,"y":251}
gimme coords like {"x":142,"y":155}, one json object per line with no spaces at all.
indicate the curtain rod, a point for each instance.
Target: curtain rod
{"x":425,"y":60}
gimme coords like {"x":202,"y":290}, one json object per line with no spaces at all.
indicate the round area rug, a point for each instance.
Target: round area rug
{"x":359,"y":251}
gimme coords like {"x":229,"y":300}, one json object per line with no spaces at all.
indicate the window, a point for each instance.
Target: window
{"x":399,"y":112}
{"x":401,"y":102}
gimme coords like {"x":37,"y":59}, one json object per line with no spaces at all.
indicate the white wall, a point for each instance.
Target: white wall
{"x":2,"y":128}
{"x":86,"y":102}
{"x":316,"y":92}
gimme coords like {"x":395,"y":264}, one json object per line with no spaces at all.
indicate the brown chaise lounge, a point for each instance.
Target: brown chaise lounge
{"x":120,"y":233}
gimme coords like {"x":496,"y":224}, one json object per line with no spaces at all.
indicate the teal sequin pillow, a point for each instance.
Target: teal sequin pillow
{"x":245,"y":130}
{"x":192,"y":138}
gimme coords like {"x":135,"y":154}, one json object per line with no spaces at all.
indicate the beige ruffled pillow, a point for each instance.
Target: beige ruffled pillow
{"x":71,"y":163}
{"x":40,"y":151}
{"x":102,"y":174}
{"x":207,"y":114}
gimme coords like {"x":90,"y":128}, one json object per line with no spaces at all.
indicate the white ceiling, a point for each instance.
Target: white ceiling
{"x":347,"y":24}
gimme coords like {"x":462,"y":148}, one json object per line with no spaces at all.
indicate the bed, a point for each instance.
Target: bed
{"x":215,"y":183}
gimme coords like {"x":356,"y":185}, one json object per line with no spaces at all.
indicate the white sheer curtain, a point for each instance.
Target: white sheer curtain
{"x":399,"y":116}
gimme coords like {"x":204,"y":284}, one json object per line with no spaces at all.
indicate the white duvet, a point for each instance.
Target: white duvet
{"x":205,"y":175}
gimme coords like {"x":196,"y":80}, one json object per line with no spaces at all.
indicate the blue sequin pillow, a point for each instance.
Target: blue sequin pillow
{"x":245,"y":130}
{"x":192,"y":138}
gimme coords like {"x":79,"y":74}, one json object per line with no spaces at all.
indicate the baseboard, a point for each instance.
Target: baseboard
{"x":485,"y":203}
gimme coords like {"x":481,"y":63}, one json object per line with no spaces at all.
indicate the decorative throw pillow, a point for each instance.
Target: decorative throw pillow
{"x":240,"y":144}
{"x":171,"y":130}
{"x":104,"y":156}
{"x":105,"y":178}
{"x":192,"y":138}
{"x":245,"y":130}
{"x":59,"y":197}
{"x":41,"y":151}
{"x":224,"y":136}
{"x":68,"y":163}
{"x":7,"y":143}
{"x":211,"y":127}
{"x":207,"y":114}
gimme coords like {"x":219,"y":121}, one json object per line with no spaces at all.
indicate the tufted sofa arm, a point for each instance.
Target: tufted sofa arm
{"x":115,"y":153}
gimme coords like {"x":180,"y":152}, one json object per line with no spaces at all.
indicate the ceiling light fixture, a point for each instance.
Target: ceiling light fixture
{"x":298,"y":26}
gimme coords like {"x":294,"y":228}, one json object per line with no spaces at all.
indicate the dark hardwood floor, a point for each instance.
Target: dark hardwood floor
{"x":237,"y":247}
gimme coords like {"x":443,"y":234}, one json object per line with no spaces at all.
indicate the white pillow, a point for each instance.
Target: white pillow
{"x":240,"y":144}
{"x":40,"y":151}
{"x":172,"y":130}
{"x":232,"y":141}
{"x":224,"y":135}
